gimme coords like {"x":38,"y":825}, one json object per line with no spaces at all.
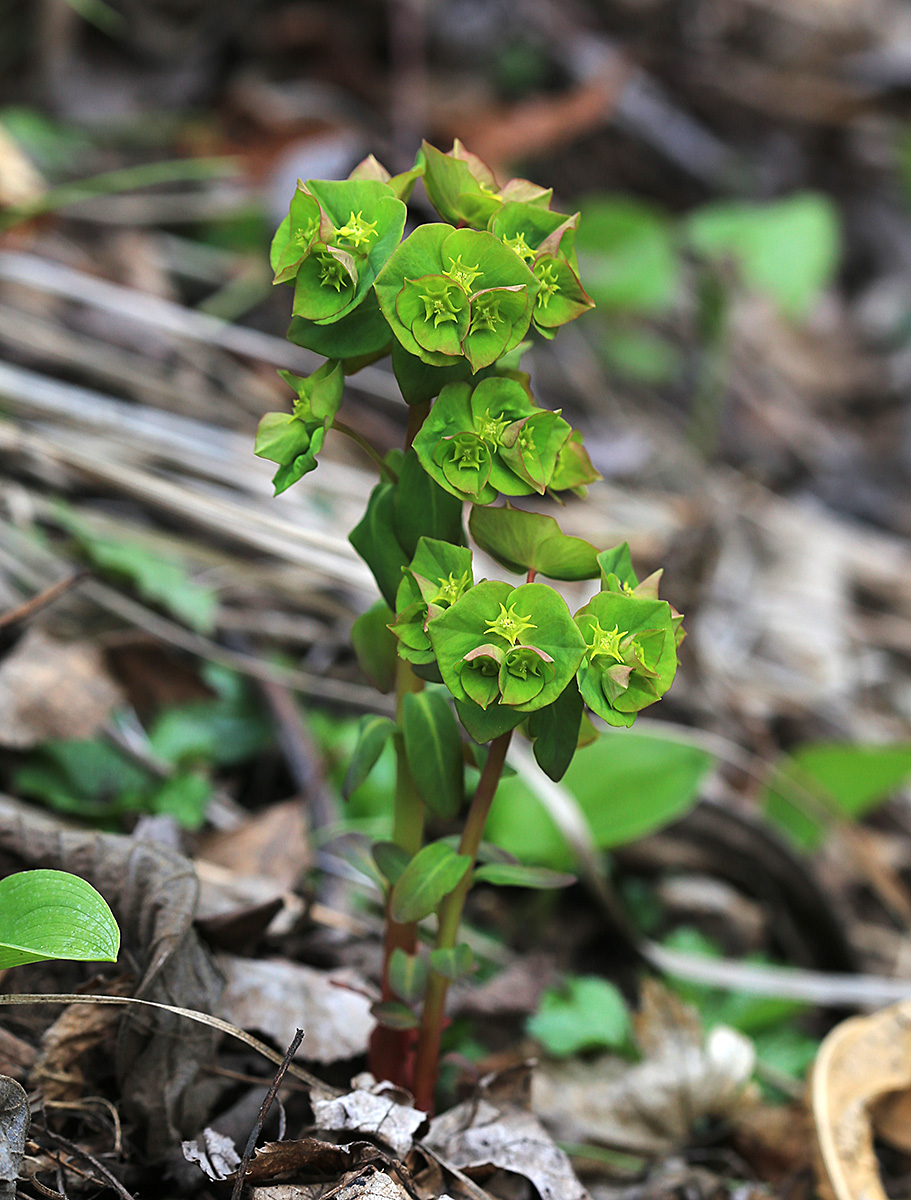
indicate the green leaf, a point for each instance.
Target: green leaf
{"x":282,"y":437}
{"x":453,"y":964}
{"x":523,"y":541}
{"x":185,"y":797}
{"x":392,"y":859}
{"x":88,"y":778}
{"x":627,"y":255}
{"x":156,"y":576}
{"x":485,"y":724}
{"x":374,"y":539}
{"x":419,"y":381}
{"x":555,"y":730}
{"x":52,"y":914}
{"x":845,"y":780}
{"x":224,"y":731}
{"x":394,"y":1015}
{"x":640,"y":355}
{"x":627,"y":785}
{"x":788,"y":248}
{"x":373,"y":734}
{"x":318,"y":395}
{"x":584,"y":1013}
{"x":374,"y":645}
{"x":422,"y":508}
{"x":362,"y":333}
{"x":407,"y":975}
{"x":434,"y":751}
{"x":433,"y":873}
{"x":520,"y":875}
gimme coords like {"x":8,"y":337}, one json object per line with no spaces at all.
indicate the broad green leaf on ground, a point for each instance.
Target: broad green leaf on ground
{"x":52,"y":914}
{"x":789,"y":249}
{"x":828,"y":777}
{"x":433,"y":873}
{"x":156,"y":576}
{"x":434,"y":751}
{"x":583,"y":1013}
{"x":627,"y":785}
{"x":627,"y":255}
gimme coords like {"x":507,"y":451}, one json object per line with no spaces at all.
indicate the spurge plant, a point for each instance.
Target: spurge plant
{"x":454,"y":304}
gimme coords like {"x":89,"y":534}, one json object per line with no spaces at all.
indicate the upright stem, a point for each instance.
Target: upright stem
{"x":450,"y":917}
{"x":390,"y":1048}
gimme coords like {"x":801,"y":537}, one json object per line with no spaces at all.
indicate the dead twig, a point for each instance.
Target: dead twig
{"x":263,"y":1110}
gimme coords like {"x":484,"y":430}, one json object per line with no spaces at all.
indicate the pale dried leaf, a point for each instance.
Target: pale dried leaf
{"x":78,"y":1029}
{"x":278,"y":997}
{"x":216,"y":1156}
{"x":649,"y":1107}
{"x":14,"y":1120}
{"x":52,"y":689}
{"x":16,"y":1056}
{"x":270,"y":844}
{"x":860,"y":1061}
{"x":373,"y":1113}
{"x":478,"y":1134}
{"x":20,"y":182}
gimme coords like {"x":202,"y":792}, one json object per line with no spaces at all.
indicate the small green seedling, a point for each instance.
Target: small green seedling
{"x":52,"y":914}
{"x":455,"y":304}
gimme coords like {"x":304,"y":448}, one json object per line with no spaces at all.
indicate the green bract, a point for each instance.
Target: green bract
{"x":516,"y":648}
{"x":630,"y":655}
{"x":334,"y":242}
{"x":491,"y":439}
{"x":438,"y":576}
{"x":617,"y":575}
{"x":449,"y":293}
{"x":464,"y":190}
{"x":293,"y":440}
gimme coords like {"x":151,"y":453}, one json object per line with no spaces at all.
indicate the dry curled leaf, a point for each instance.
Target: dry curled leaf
{"x":373,"y":1110}
{"x":860,"y":1062}
{"x":162,"y":1062}
{"x":277,"y":997}
{"x":213,"y":1152}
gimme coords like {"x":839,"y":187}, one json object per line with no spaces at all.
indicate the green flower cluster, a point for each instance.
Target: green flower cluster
{"x":437,"y":577}
{"x":464,"y":191}
{"x":511,"y":646}
{"x":294,"y":439}
{"x":493,"y":438}
{"x":631,"y":640}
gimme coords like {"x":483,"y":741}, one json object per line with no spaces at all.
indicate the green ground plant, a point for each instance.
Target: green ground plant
{"x":455,"y":304}
{"x":48,"y":914}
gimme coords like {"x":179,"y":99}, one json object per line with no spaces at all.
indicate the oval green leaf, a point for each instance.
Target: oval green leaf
{"x":432,"y":874}
{"x":434,"y":751}
{"x":48,"y":914}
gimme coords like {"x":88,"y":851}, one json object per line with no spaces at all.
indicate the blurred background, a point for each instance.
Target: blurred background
{"x":743,"y":170}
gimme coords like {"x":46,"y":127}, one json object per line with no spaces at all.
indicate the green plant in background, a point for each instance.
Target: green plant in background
{"x":51,"y":914}
{"x":454,"y":304}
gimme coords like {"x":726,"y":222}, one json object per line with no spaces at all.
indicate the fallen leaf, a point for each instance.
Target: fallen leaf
{"x":373,"y":1110}
{"x":309,"y":1156}
{"x":16,"y":1056}
{"x":51,"y":689}
{"x":270,"y":843}
{"x":78,"y":1029}
{"x":216,"y":1156}
{"x":480,"y":1137}
{"x":14,"y":1120}
{"x":278,"y":997}
{"x":162,"y":1062}
{"x":860,"y":1061}
{"x":649,"y":1107}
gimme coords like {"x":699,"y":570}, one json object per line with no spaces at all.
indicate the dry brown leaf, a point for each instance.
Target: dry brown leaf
{"x":16,"y":1056}
{"x":213,"y":1152}
{"x":53,"y":689}
{"x":14,"y":1119}
{"x":79,"y":1028}
{"x":373,"y":1109}
{"x":862,"y":1060}
{"x":162,"y":1064}
{"x":278,"y":997}
{"x":481,"y":1138}
{"x":270,"y":844}
{"x":649,"y":1107}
